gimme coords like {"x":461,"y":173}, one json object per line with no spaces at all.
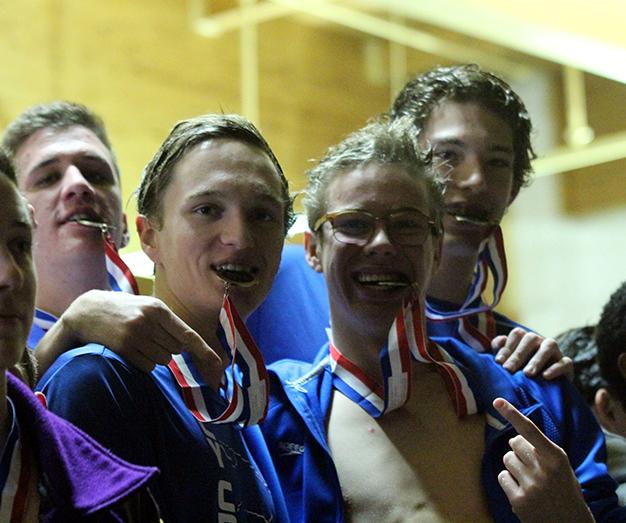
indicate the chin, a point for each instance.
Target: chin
{"x":245,"y":305}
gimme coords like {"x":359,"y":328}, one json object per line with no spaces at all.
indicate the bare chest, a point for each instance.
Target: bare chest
{"x":418,"y":463}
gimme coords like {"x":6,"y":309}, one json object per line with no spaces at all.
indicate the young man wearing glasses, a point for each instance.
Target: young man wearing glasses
{"x":479,"y":132}
{"x":385,"y":425}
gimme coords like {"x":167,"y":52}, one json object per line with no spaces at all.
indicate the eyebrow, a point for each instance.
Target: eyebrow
{"x":460,"y":143}
{"x":262,"y":193}
{"x":57,"y":159}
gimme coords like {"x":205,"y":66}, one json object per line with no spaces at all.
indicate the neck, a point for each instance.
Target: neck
{"x":204,"y":323}
{"x":360,"y":347}
{"x":5,"y":421}
{"x":62,"y":279}
{"x":363,"y":348}
{"x":454,"y":275}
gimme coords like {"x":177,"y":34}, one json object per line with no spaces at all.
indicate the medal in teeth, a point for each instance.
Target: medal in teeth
{"x":233,"y":274}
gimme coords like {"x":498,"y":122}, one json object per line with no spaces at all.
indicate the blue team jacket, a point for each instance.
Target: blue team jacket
{"x":219,"y":473}
{"x":301,"y":395}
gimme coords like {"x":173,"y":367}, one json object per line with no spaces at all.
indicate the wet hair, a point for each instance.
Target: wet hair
{"x":611,"y":341}
{"x":184,"y":136}
{"x":381,"y":142}
{"x":54,"y":115}
{"x":6,"y":166}
{"x":469,"y":83}
{"x":580,"y":345}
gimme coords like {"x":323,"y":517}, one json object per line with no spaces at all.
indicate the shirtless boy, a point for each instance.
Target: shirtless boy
{"x":386,"y":426}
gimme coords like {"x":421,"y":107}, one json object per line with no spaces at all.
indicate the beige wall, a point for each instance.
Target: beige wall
{"x":141,"y":67}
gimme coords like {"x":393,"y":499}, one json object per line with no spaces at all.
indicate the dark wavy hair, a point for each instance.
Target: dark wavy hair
{"x":580,"y":345}
{"x":611,"y":341}
{"x":469,"y":83}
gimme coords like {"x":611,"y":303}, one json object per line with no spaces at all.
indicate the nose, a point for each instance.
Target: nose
{"x":76,"y":186}
{"x":380,"y":244}
{"x":470,"y":176}
{"x":235,"y":230}
{"x":11,"y":274}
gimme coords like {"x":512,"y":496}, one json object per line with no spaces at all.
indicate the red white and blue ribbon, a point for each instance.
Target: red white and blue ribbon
{"x":19,"y":499}
{"x":476,"y":325}
{"x":120,"y":279}
{"x":44,"y":320}
{"x":246,"y":384}
{"x":406,"y":340}
{"x":120,"y":276}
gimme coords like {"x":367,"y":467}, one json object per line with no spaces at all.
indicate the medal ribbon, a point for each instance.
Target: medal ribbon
{"x":120,"y":279}
{"x":43,"y":319}
{"x":406,"y":340}
{"x":246,"y":386}
{"x":476,"y":325}
{"x":120,"y":276}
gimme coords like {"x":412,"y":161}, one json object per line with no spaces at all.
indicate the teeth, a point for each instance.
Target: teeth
{"x":471,"y":220}
{"x":236,"y":274}
{"x":382,"y":280}
{"x":78,"y":217}
{"x":392,"y":284}
{"x":233,"y":267}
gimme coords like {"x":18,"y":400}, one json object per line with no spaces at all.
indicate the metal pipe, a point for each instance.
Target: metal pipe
{"x":577,"y":130}
{"x":604,"y":149}
{"x":249,"y":62}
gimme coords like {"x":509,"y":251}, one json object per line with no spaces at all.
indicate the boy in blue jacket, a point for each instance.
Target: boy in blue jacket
{"x":387,"y":424}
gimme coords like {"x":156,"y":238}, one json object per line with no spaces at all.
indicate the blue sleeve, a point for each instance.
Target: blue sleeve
{"x":98,"y":392}
{"x":34,"y":336}
{"x":504,"y":325}
{"x":291,"y":322}
{"x":582,"y":439}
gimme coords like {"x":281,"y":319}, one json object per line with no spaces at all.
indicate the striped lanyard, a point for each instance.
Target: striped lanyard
{"x":120,"y":276}
{"x":19,"y":498}
{"x":120,"y":279}
{"x":406,"y":340}
{"x":245,"y":386}
{"x":476,"y":324}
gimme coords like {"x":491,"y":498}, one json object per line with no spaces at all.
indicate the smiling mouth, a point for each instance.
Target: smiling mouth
{"x":238,"y":275}
{"x":383,"y":281}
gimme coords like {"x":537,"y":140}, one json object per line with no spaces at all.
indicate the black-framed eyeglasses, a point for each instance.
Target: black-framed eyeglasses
{"x":408,"y":227}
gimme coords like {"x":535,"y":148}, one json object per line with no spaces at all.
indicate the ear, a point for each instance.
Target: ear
{"x":148,"y":236}
{"x":603,"y":408}
{"x":31,"y":213}
{"x":311,"y":251}
{"x":125,"y":235}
